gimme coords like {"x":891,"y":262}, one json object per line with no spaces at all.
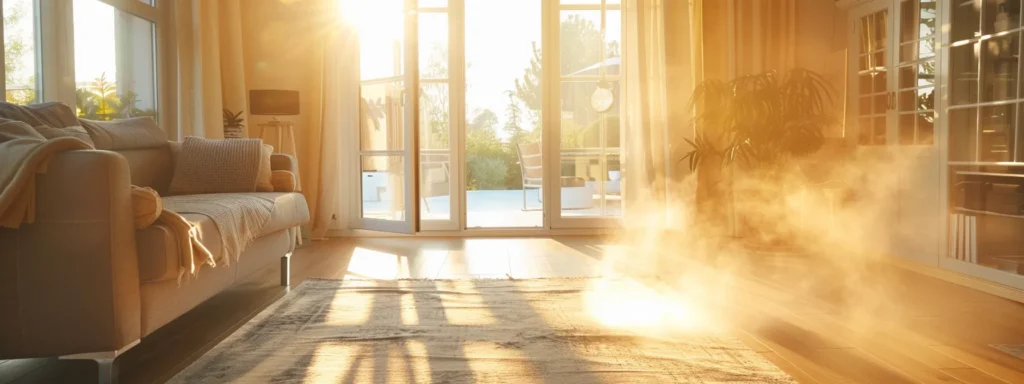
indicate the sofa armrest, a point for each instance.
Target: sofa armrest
{"x":284,"y":162}
{"x":69,"y":282}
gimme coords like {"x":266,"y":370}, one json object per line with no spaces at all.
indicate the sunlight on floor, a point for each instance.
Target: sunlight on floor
{"x":370,"y":264}
{"x":465,"y":306}
{"x":630,"y":305}
{"x":331,"y":362}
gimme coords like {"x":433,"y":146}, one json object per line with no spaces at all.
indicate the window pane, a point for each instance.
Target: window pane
{"x":21,"y":76}
{"x":879,"y":131}
{"x":864,"y":131}
{"x":589,"y":2}
{"x":433,"y":45}
{"x":1000,"y":58}
{"x":997,"y":130}
{"x":114,"y":63}
{"x":589,"y":150}
{"x":435,"y":153}
{"x":381,"y":29}
{"x":926,"y":128}
{"x":1001,"y":15}
{"x":504,"y":87}
{"x":908,"y":20}
{"x":964,"y":74}
{"x":928,"y":16}
{"x":382,"y":180}
{"x":966,"y":17}
{"x":580,"y":43}
{"x":433,"y":3}
{"x":925,"y":99}
{"x":963,"y":133}
{"x":906,"y":129}
{"x":382,"y":119}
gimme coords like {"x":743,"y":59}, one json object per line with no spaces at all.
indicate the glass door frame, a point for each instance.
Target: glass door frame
{"x":456,"y":81}
{"x":552,"y":119}
{"x":855,"y":26}
{"x":410,"y":138}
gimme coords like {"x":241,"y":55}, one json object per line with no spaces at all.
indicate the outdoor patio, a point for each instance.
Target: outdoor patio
{"x":500,"y":209}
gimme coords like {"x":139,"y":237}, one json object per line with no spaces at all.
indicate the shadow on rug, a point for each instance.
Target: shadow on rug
{"x":463,"y":331}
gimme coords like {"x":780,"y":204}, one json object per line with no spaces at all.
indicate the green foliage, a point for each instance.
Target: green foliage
{"x":100,"y":101}
{"x":763,"y":120}
{"x":233,"y":120}
{"x":485,"y":154}
{"x":15,"y":48}
{"x":487,"y":173}
{"x":434,"y":100}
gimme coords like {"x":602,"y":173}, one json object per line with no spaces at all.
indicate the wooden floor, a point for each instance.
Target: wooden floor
{"x":800,"y":312}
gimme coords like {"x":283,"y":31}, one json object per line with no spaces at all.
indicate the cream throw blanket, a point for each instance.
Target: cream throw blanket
{"x":239,"y":217}
{"x":24,"y":153}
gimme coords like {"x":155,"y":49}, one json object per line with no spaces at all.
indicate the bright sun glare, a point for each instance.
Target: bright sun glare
{"x":631,"y":305}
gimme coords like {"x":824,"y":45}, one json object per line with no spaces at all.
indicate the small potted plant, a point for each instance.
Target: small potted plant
{"x":233,"y":124}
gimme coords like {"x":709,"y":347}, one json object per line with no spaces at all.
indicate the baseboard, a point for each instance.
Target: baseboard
{"x":1006,"y":292}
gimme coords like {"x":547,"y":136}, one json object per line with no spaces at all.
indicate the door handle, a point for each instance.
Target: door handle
{"x":892,"y":100}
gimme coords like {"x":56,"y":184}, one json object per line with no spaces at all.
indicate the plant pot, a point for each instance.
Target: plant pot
{"x":233,"y":133}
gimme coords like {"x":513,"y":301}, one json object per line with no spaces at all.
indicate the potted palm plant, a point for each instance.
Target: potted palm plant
{"x":233,"y":124}
{"x":756,"y":128}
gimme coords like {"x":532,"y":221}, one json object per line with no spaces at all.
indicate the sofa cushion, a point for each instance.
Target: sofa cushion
{"x":158,"y":250}
{"x":290,"y":211}
{"x":122,"y":134}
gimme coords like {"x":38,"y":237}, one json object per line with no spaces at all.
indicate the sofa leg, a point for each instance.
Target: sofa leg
{"x":286,"y":269}
{"x":106,"y":370}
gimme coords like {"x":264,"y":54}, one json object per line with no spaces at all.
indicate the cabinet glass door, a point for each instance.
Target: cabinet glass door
{"x":919,"y":217}
{"x":986,"y":160}
{"x":872,"y":99}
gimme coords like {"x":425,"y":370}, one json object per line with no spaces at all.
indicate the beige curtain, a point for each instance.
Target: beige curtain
{"x":742,"y":37}
{"x":335,"y":113}
{"x":211,"y":65}
{"x":658,"y":73}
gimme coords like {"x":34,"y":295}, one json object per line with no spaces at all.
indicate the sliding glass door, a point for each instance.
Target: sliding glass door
{"x":489,"y":114}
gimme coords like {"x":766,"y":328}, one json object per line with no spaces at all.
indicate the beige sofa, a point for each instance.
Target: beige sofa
{"x":82,"y":282}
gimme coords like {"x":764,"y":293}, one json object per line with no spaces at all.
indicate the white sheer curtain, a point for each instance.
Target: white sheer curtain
{"x":658,"y":74}
{"x":339,"y":121}
{"x":211,"y":67}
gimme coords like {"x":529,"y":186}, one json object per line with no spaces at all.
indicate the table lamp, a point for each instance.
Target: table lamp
{"x":273,"y":102}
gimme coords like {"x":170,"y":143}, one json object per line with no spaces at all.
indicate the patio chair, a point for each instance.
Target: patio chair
{"x":532,"y":165}
{"x":435,"y":180}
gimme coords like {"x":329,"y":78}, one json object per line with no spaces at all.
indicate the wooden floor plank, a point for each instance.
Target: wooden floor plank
{"x":972,"y":376}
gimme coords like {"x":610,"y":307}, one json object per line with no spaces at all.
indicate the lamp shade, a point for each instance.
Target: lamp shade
{"x":272,"y":102}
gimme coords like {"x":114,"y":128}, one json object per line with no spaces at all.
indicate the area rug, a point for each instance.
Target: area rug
{"x":466,"y":331}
